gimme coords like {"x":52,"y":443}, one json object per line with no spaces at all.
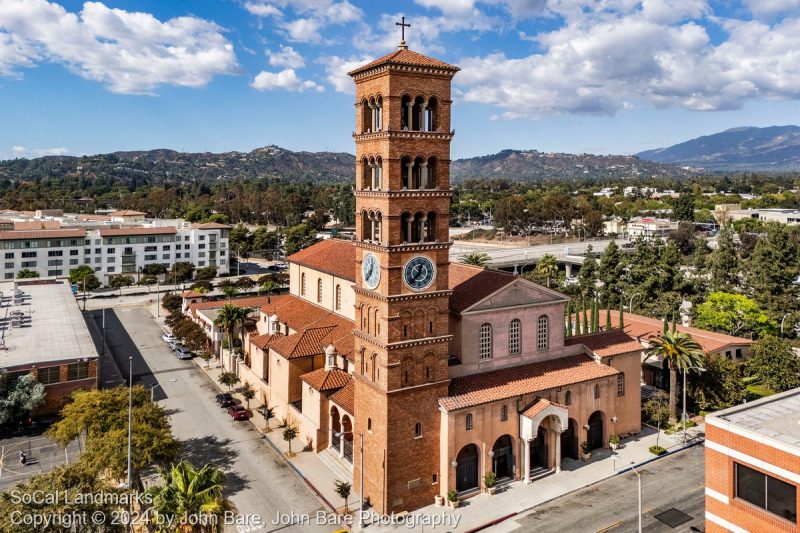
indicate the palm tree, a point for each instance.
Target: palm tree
{"x":189,"y":492}
{"x":480,"y":259}
{"x":547,"y":268}
{"x":680,"y":352}
{"x":289,"y":433}
{"x":229,"y":317}
{"x":268,"y":413}
{"x":230,"y":291}
{"x":268,"y":287}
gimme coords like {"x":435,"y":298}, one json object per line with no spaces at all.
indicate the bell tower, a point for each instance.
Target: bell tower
{"x":401,"y":329}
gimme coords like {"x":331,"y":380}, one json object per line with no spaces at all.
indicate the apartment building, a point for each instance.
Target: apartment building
{"x":112,"y":251}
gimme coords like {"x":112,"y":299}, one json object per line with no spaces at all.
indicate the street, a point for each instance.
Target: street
{"x":257,"y":481}
{"x":674,"y":482}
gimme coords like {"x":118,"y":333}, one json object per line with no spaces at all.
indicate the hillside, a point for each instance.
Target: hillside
{"x":532,"y":165}
{"x":774,"y":148}
{"x":159,"y":166}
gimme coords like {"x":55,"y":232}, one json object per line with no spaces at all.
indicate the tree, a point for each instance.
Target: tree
{"x":26,"y":273}
{"x":480,"y":259}
{"x":268,"y":413}
{"x":587,"y":275}
{"x":547,"y":268}
{"x":657,"y":408}
{"x":102,"y":416}
{"x":172,"y":303}
{"x":154,"y":269}
{"x":510,"y":213}
{"x":188,"y":493}
{"x":206,"y":273}
{"x":678,"y":351}
{"x":180,"y":272}
{"x":343,"y":490}
{"x":229,"y":291}
{"x":239,"y":240}
{"x":71,"y":483}
{"x":18,"y":397}
{"x":299,"y":237}
{"x":774,"y":364}
{"x":720,"y":386}
{"x":683,"y":208}
{"x":265,"y":240}
{"x":191,"y":334}
{"x":289,"y":433}
{"x":610,"y":271}
{"x":229,"y":379}
{"x":248,"y":393}
{"x":318,"y":219}
{"x":267,"y":287}
{"x":773,"y":269}
{"x":83,"y":276}
{"x":734,"y":314}
{"x":121,"y":281}
{"x":724,"y":265}
{"x":684,"y":237}
{"x":245,"y":283}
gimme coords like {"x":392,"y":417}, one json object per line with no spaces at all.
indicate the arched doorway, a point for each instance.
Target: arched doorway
{"x":539,"y":458}
{"x":467,"y":468}
{"x":336,"y":428}
{"x":569,"y":440}
{"x":503,"y":457}
{"x":595,"y":433}
{"x":347,"y":429}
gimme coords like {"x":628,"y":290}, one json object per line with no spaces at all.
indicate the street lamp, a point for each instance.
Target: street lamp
{"x":361,"y":474}
{"x":683,"y":417}
{"x":152,"y":391}
{"x":130,"y":414}
{"x":782,"y":319}
{"x":632,"y":466}
{"x":158,"y":297}
{"x":630,"y":304}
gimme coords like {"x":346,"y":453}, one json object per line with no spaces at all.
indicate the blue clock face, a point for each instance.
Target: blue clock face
{"x":371,"y":271}
{"x":419,"y":273}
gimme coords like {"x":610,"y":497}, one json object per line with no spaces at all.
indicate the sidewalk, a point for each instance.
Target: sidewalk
{"x":308,"y":465}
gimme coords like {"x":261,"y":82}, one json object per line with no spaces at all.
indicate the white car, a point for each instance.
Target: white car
{"x":182,"y":352}
{"x":169,"y":338}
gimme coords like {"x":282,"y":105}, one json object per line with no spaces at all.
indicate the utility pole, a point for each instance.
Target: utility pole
{"x":158,"y":298}
{"x":130,"y":415}
{"x":699,"y":369}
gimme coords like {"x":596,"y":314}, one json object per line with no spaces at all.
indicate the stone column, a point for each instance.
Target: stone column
{"x":423,"y":229}
{"x":424,"y":176}
{"x":330,"y":430}
{"x":557,"y":445}
{"x":341,"y":439}
{"x":423,"y":119}
{"x":410,"y":224}
{"x":372,"y":117}
{"x":410,"y":175}
{"x":372,"y":170}
{"x":526,"y":461}
{"x":410,"y":107}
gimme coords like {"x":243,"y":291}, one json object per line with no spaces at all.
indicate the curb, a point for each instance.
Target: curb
{"x":641,"y":463}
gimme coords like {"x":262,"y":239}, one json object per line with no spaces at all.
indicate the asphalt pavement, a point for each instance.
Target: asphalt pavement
{"x":259,"y":483}
{"x":674,"y":482}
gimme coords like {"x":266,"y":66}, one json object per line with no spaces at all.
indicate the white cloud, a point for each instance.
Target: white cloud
{"x":519,"y":9}
{"x":286,"y":57}
{"x":128,"y":52}
{"x":631,"y":54}
{"x":304,"y":30}
{"x":22,"y":152}
{"x":286,"y":79}
{"x":310,"y":16}
{"x":336,"y":69}
{"x":770,"y":8}
{"x":262,"y":9}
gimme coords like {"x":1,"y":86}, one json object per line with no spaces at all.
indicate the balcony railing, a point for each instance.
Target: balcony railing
{"x":348,"y":450}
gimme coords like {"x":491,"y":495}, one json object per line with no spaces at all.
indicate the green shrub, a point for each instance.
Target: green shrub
{"x":657,"y":450}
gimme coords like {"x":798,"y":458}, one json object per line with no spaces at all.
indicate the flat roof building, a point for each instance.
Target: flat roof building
{"x":42,"y":331}
{"x":753,"y":465}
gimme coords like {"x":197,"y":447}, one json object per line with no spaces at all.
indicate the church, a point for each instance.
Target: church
{"x":446,"y":371}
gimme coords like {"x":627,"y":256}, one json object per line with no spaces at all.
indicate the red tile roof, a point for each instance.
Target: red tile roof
{"x":403,"y":56}
{"x":126,"y":213}
{"x":325,"y":380}
{"x":332,"y":256}
{"x":211,"y":225}
{"x":191,"y":294}
{"x":263,"y":341}
{"x":42,"y":234}
{"x":471,"y":284}
{"x":476,"y":389}
{"x":254,"y":302}
{"x":540,"y":405}
{"x":643,"y":328}
{"x":36,"y":225}
{"x":166,"y":230}
{"x":606,"y":343}
{"x":346,"y":397}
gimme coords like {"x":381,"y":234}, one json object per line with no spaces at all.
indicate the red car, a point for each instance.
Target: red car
{"x":238,"y":412}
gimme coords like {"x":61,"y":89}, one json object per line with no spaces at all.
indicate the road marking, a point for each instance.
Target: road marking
{"x":609,"y":528}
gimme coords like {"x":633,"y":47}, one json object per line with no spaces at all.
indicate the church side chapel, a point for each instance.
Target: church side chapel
{"x":449,"y":371}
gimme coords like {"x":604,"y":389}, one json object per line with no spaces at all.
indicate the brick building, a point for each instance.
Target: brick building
{"x":753,"y":465}
{"x":43,"y":333}
{"x":449,"y":371}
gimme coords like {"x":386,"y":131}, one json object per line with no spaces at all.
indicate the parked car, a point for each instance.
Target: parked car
{"x":224,"y":397}
{"x":169,"y":338}
{"x":238,"y":412}
{"x":182,"y":352}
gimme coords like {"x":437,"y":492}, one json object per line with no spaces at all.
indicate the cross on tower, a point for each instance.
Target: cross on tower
{"x":403,"y":27}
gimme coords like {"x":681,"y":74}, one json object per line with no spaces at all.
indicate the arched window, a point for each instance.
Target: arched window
{"x":319,"y":290}
{"x":369,"y":424}
{"x":542,"y":333}
{"x":363,"y":361}
{"x":596,"y":391}
{"x":568,"y":398}
{"x":374,"y":367}
{"x":504,"y":413}
{"x":514,"y":341}
{"x":338,"y":297}
{"x":417,"y":430}
{"x":486,"y":341}
{"x":468,"y":423}
{"x":303,"y":284}
{"x":621,"y":384}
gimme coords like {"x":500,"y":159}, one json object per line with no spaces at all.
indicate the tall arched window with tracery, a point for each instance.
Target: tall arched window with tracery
{"x":542,"y":333}
{"x":514,"y":337}
{"x":486,"y":341}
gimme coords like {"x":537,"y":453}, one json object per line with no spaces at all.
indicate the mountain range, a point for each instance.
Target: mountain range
{"x":775,"y":148}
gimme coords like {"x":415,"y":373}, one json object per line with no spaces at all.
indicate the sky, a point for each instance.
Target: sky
{"x":593,"y":76}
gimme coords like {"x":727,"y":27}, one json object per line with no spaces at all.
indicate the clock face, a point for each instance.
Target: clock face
{"x":371,"y":271}
{"x":419,"y":273}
